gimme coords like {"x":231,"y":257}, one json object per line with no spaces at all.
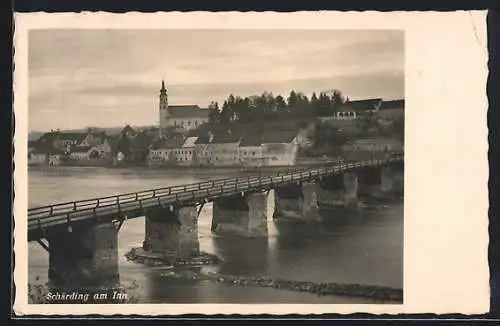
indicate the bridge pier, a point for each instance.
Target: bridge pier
{"x":380,"y":182}
{"x":338,"y":191}
{"x":87,"y":256}
{"x":172,"y":233}
{"x":243,"y":214}
{"x":295,"y":202}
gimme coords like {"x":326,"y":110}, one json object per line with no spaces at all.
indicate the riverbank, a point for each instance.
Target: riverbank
{"x":185,"y":169}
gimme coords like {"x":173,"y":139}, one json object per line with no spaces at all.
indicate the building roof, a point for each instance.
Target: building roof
{"x":394,"y":104}
{"x":187,"y":111}
{"x":79,"y":149}
{"x":190,"y":142}
{"x":203,"y":139}
{"x":48,"y":137}
{"x":278,"y":136}
{"x":74,"y":136}
{"x":251,"y":139}
{"x":227,"y":137}
{"x":167,"y":143}
{"x":361,"y":105}
{"x":43,"y":147}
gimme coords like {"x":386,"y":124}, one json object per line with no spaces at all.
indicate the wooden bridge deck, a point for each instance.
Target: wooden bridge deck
{"x":131,"y":205}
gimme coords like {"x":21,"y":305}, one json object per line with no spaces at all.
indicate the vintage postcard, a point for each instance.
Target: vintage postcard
{"x":249,"y":163}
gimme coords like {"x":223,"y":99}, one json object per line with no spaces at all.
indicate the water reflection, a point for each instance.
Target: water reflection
{"x":242,"y":256}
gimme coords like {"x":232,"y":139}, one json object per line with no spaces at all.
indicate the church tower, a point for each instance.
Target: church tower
{"x":163,"y":107}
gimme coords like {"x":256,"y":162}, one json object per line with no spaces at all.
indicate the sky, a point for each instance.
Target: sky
{"x":109,"y":78}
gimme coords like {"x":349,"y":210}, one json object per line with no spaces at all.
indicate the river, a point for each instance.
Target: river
{"x":364,"y":246}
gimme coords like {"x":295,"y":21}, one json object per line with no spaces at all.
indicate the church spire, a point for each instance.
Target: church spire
{"x":163,"y":89}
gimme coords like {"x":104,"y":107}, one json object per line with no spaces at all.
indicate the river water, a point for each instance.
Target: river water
{"x":364,"y":246}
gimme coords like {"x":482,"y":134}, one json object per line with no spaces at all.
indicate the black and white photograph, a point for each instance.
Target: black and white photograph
{"x":215,"y":166}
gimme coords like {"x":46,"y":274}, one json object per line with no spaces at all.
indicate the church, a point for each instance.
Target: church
{"x":180,"y":116}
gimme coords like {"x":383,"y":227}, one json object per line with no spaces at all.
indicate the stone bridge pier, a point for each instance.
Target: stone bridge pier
{"x":338,"y":191}
{"x":296,"y":202}
{"x":243,"y":214}
{"x":379,"y":182}
{"x":172,"y":232}
{"x":87,"y":256}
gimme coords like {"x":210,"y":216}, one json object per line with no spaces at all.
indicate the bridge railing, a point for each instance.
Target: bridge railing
{"x":115,"y":204}
{"x":132,"y":196}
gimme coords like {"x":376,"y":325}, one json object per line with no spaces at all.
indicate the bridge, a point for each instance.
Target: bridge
{"x":81,"y":236}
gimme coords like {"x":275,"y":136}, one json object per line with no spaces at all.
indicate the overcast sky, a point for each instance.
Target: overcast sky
{"x":109,"y":78}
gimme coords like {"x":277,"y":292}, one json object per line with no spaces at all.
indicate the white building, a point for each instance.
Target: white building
{"x":353,"y":110}
{"x":279,"y":148}
{"x":166,"y":151}
{"x":185,"y":117}
{"x":250,"y":150}
{"x":187,"y":152}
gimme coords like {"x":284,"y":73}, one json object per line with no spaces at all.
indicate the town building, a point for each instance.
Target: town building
{"x":279,"y":148}
{"x":165,"y":151}
{"x":43,"y":152}
{"x":185,"y":117}
{"x":250,"y":150}
{"x":203,"y":149}
{"x":353,"y":110}
{"x":37,"y":157}
{"x":225,"y":149}
{"x":187,"y":152}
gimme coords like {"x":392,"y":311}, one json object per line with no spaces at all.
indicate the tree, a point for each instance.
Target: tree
{"x":224,"y":116}
{"x":213,"y":113}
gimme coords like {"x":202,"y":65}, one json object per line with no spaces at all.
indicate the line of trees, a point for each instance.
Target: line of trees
{"x":267,"y":107}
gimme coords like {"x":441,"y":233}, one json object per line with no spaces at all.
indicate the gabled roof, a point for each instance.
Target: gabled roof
{"x":251,"y":139}
{"x":394,"y":104}
{"x":48,"y":137}
{"x":187,"y":111}
{"x":79,"y":149}
{"x":278,"y":136}
{"x":203,"y":139}
{"x":167,"y":143}
{"x":43,"y":147}
{"x":73,"y":136}
{"x":361,"y":105}
{"x":226,"y":138}
{"x":190,"y":142}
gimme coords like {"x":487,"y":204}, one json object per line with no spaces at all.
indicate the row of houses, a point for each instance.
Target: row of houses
{"x":250,"y":148}
{"x":56,"y":147}
{"x":224,"y":148}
